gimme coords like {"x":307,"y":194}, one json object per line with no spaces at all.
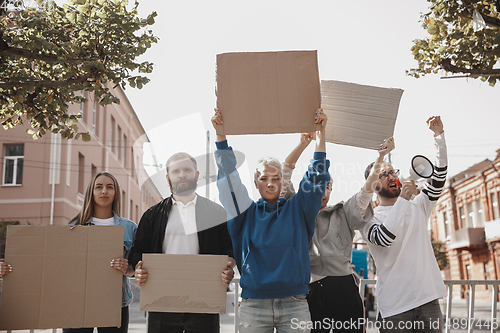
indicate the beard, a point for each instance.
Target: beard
{"x":183,"y":189}
{"x":386,"y":193}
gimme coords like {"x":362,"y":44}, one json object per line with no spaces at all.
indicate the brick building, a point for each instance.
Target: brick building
{"x":31,"y":168}
{"x":467,"y":219}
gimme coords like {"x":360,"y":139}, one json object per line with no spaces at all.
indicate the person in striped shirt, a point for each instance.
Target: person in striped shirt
{"x":409,"y":282}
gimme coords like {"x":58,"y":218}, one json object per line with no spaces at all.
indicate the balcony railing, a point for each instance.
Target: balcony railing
{"x":470,"y":299}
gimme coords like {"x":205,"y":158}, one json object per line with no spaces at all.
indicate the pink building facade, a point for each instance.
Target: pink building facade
{"x":44,"y":180}
{"x":467,"y":219}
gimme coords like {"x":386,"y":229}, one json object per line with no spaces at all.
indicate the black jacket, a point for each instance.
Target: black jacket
{"x":210,"y":219}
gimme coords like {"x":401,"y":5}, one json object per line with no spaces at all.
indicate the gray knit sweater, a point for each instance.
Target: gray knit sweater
{"x":330,"y":250}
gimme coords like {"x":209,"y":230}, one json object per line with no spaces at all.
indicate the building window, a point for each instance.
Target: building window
{"x":134,"y":175}
{"x":94,"y":117}
{"x":93,"y":171}
{"x":468,"y":272}
{"x":137,"y":213}
{"x":446,"y":224}
{"x":486,"y":271}
{"x":112,"y":135}
{"x":81,"y":173}
{"x":494,"y":205}
{"x":486,"y":268}
{"x":82,"y":105}
{"x":479,"y":215}
{"x":13,"y":164}
{"x":125,"y":143}
{"x":131,"y":210}
{"x":120,"y":146}
{"x":463,"y":220}
{"x":124,"y":203}
{"x":470,"y":219}
{"x":132,"y":164}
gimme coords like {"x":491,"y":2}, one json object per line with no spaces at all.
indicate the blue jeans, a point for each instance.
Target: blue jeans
{"x":289,"y":314}
{"x":426,"y":318}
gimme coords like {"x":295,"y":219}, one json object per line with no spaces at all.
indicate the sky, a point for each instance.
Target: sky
{"x":365,"y":42}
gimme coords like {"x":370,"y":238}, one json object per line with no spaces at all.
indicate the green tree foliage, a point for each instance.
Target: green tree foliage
{"x":440,"y":254}
{"x":49,"y":54}
{"x":454,"y":45}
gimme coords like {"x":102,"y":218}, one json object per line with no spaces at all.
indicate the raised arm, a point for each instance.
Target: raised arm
{"x":371,"y":182}
{"x":313,"y":184}
{"x":293,"y":157}
{"x":435,"y":184}
{"x":321,"y":134}
{"x":435,"y":125}
{"x":290,"y":161}
{"x":364,"y":196}
{"x":232,"y":193}
{"x":217,"y":120}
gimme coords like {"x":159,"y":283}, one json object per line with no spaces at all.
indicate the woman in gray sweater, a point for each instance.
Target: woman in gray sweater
{"x":334,"y":300}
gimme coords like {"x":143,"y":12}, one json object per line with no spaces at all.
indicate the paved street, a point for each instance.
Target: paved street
{"x":138,"y":319}
{"x":459,"y":310}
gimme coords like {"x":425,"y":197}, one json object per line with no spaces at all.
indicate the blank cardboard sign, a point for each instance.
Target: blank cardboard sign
{"x":359,"y":115}
{"x":61,"y":277}
{"x":268,"y":92}
{"x":184,"y":283}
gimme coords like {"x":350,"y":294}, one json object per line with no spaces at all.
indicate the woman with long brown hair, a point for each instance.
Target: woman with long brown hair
{"x":101,"y":206}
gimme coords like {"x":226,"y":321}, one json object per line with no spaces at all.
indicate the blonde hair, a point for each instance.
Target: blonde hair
{"x":87,"y":210}
{"x":268,"y":161}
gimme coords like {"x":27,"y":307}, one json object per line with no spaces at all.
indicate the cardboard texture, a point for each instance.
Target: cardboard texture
{"x":184,"y":283}
{"x":268,"y":92}
{"x":359,"y":115}
{"x":61,"y":277}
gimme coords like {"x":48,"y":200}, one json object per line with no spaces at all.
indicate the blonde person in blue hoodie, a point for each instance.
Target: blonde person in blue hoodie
{"x":271,"y":236}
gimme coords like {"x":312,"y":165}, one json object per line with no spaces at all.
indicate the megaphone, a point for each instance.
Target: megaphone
{"x":421,"y":167}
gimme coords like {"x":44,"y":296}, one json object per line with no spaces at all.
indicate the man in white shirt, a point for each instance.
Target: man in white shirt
{"x":409,"y":282}
{"x":184,"y":223}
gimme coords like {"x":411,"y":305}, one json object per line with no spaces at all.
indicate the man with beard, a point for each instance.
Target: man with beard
{"x":184,"y":223}
{"x":409,"y":283}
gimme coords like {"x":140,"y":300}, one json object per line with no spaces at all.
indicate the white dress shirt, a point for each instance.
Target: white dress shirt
{"x":181,"y":235}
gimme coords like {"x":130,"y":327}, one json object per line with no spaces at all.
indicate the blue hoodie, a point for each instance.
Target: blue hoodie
{"x":271,"y":243}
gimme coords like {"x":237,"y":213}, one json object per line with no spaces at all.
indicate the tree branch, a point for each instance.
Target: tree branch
{"x":45,"y":84}
{"x":490,"y":21}
{"x":18,"y":52}
{"x":447,"y":66}
{"x":29,"y":54}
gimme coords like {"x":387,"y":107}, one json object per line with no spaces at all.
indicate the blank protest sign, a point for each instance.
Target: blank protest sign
{"x":184,"y":283}
{"x":359,"y":115}
{"x":61,"y":277}
{"x":268,"y":92}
